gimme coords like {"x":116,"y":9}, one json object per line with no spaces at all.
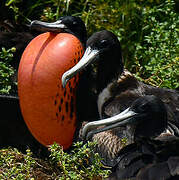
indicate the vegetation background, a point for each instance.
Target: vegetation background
{"x":148,"y":32}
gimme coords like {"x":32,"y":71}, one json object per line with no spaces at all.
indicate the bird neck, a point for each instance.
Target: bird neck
{"x":108,"y":67}
{"x":119,"y":85}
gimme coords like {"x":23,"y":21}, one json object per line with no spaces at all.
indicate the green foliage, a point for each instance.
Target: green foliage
{"x":45,"y":10}
{"x":147,"y":30}
{"x":81,"y":163}
{"x":148,"y":33}
{"x":15,"y":165}
{"x":156,"y":57}
{"x":6,"y":71}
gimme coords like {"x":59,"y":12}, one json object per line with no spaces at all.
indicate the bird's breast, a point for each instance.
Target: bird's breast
{"x":48,"y":109}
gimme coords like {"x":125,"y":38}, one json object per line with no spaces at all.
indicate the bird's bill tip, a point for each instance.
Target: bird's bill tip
{"x":64,"y":80}
{"x":88,"y":58}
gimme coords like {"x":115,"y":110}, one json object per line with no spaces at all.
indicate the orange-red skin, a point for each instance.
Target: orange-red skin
{"x":48,"y":109}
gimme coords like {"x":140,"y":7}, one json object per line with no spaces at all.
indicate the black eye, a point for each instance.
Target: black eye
{"x":74,"y":22}
{"x":103,"y":43}
{"x":143,"y":107}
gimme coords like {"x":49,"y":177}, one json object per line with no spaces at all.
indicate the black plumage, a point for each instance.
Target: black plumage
{"x":13,"y":130}
{"x":115,"y":89}
{"x":146,"y":117}
{"x":148,"y":160}
{"x":152,"y":153}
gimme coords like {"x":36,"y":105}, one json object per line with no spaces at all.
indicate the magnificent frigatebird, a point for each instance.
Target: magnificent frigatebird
{"x":48,"y":109}
{"x":153,"y":148}
{"x":48,"y":56}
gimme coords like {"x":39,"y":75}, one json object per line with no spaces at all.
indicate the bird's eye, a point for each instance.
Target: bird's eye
{"x":103,"y":43}
{"x":143,"y":107}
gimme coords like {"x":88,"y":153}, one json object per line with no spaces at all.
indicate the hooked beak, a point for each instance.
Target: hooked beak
{"x":87,"y":58}
{"x":124,"y":118}
{"x":57,"y":26}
